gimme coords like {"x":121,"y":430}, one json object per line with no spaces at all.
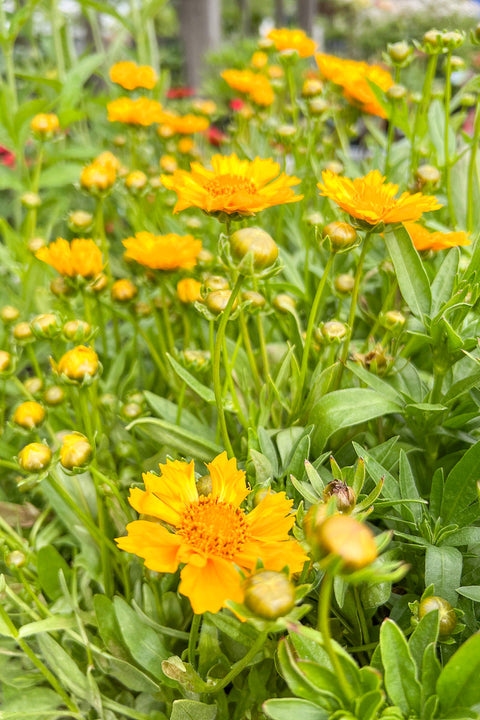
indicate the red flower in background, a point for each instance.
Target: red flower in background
{"x":180,"y":92}
{"x":7,"y":157}
{"x":236,"y":104}
{"x":216,"y":136}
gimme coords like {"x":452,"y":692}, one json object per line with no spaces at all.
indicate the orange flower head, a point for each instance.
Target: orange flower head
{"x":285,"y":39}
{"x":259,"y":60}
{"x":212,"y":536}
{"x":142,"y":111}
{"x":261,"y":91}
{"x":255,"y":85}
{"x":240,"y":80}
{"x":98,"y":178}
{"x":108,"y":160}
{"x":45,"y":124}
{"x":205,"y":107}
{"x":275,"y":72}
{"x":163,"y":252}
{"x":423,"y":239}
{"x":372,"y":200}
{"x":233,"y":186}
{"x":188,"y":290}
{"x":355,"y":78}
{"x":80,"y":257}
{"x":168,"y":163}
{"x":185,"y":124}
{"x":186,"y":146}
{"x":131,"y":76}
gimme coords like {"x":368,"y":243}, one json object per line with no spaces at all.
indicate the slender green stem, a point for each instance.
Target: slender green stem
{"x":391,"y":125}
{"x":436,"y":392}
{"x":99,"y":234}
{"x":422,"y":109}
{"x":248,"y":349}
{"x":7,"y":47}
{"x":240,"y":665}
{"x":353,"y":307}
{"x":291,"y":90}
{"x":85,"y":413}
{"x":448,"y":180}
{"x":193,"y":638}
{"x":166,"y":321}
{"x":34,"y":362}
{"x":324,"y":627}
{"x":231,"y":384}
{"x":316,"y":305}
{"x":217,"y":385}
{"x":472,"y":166}
{"x":361,"y":616}
{"x":386,"y":304}
{"x":55,"y":19}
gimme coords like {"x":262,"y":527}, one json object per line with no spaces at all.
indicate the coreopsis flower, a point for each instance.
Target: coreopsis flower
{"x":233,"y":186}
{"x":45,"y":124}
{"x":240,"y":80}
{"x":131,"y":76}
{"x":186,"y":146}
{"x":78,"y":364}
{"x":424,"y":239}
{"x":285,"y":39}
{"x":372,"y":200}
{"x":109,"y":160}
{"x":168,"y":163}
{"x":211,"y":535}
{"x":142,"y":111}
{"x":97,"y":177}
{"x":355,"y":78}
{"x":206,"y":107}
{"x":261,"y":91}
{"x":185,"y":124}
{"x":255,"y":85}
{"x":259,"y":60}
{"x":188,"y":290}
{"x":80,"y":257}
{"x":163,"y":252}
{"x":275,"y":72}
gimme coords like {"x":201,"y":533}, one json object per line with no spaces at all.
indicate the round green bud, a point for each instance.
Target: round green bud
{"x":269,"y":594}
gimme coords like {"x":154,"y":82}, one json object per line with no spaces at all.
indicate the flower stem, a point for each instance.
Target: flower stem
{"x":248,"y":349}
{"x":241,"y":664}
{"x":422,"y":109}
{"x":193,"y":638}
{"x":472,"y":166}
{"x":217,"y":385}
{"x":448,"y":95}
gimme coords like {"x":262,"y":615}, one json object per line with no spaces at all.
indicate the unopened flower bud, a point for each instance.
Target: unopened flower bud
{"x":217,"y":301}
{"x":131,"y":410}
{"x":284,"y":303}
{"x":269,"y":594}
{"x":446,"y":613}
{"x":349,"y":539}
{"x":75,"y":452}
{"x":394,"y":319}
{"x":204,"y":485}
{"x":119,"y":140}
{"x":99,"y":283}
{"x":35,"y":457}
{"x":80,"y":221}
{"x":317,"y":106}
{"x":342,"y":236}
{"x":196,"y":358}
{"x":315,"y":218}
{"x":45,"y":124}
{"x":285,"y":132}
{"x":77,"y":330}
{"x":216,"y":282}
{"x":205,"y":257}
{"x":136,"y":181}
{"x":35,"y":243}
{"x":452,"y":39}
{"x":427,"y":175}
{"x":343,"y":494}
{"x":5,"y":361}
{"x":399,"y":52}
{"x":54,"y":395}
{"x":335,"y":167}
{"x":9,"y":314}
{"x":312,"y":87}
{"x":79,"y":363}
{"x":142,"y":309}
{"x":397,"y":92}
{"x":22,"y":332}
{"x":344,"y":283}
{"x":15,"y":559}
{"x":31,"y":200}
{"x":123,"y":290}
{"x":431,"y":39}
{"x":457,"y":63}
{"x":256,"y":300}
{"x":29,"y":415}
{"x":97,"y":178}
{"x":45,"y":325}
{"x":334,"y":331}
{"x":188,"y":290}
{"x":60,"y":287}
{"x":257,"y":243}
{"x":315,"y":516}
{"x":33,"y":385}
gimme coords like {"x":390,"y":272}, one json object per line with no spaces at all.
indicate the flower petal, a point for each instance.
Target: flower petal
{"x":209,"y":587}
{"x":228,"y":483}
{"x":158,"y":547}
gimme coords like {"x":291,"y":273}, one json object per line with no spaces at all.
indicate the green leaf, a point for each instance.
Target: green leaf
{"x":436,"y":126}
{"x":50,"y":624}
{"x":463,"y":536}
{"x":108,"y":626}
{"x":401,"y":682}
{"x":443,"y":570}
{"x":144,"y":644}
{"x":368,"y":705}
{"x":344,"y":408}
{"x":424,"y":634}
{"x":72,"y":92}
{"x":62,"y":665}
{"x":377,"y":472}
{"x":173,"y":436}
{"x":60,"y":175}
{"x":408,"y":487}
{"x":444,"y":283}
{"x":472,"y":592}
{"x":431,"y":669}
{"x":411,"y":275}
{"x":288,"y":708}
{"x":458,"y":684}
{"x":168,"y":410}
{"x":192,"y":710}
{"x":375,"y":382}
{"x":297,"y":682}
{"x":49,"y":563}
{"x":202,"y":390}
{"x":460,"y":502}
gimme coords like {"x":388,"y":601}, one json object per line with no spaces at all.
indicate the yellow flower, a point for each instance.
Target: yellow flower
{"x":131,"y":76}
{"x":285,"y":39}
{"x":108,"y":160}
{"x":80,"y":257}
{"x":188,"y":290}
{"x":240,"y":80}
{"x":275,"y":72}
{"x":185,"y":145}
{"x":185,"y":124}
{"x":213,"y":537}
{"x":261,"y":91}
{"x":168,"y":163}
{"x":34,"y":457}
{"x":163,"y":252}
{"x":255,"y":85}
{"x":123,"y":290}
{"x":206,"y":107}
{"x":45,"y":124}
{"x":423,"y":239}
{"x":259,"y":60}
{"x":373,"y":200}
{"x":135,"y":112}
{"x":98,"y":177}
{"x":235,"y":187}
{"x":76,"y":451}
{"x":355,"y":78}
{"x":78,"y":363}
{"x":29,"y":415}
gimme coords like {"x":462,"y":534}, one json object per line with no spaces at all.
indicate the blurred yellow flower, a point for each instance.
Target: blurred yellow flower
{"x":233,"y":186}
{"x":131,"y":76}
{"x":255,"y":85}
{"x":109,"y":160}
{"x":259,"y":60}
{"x":168,"y":163}
{"x":206,"y":107}
{"x":188,"y":290}
{"x":80,"y":257}
{"x":163,"y":252}
{"x":185,"y":145}
{"x":373,"y":200}
{"x":185,"y":124}
{"x":212,"y":536}
{"x":261,"y":92}
{"x":355,"y":78}
{"x":142,"y":111}
{"x":423,"y":239}
{"x":285,"y":39}
{"x":45,"y":124}
{"x":98,"y":177}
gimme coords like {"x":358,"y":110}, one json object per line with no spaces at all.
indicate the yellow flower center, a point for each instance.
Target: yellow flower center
{"x":229,"y":185}
{"x":214,"y":527}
